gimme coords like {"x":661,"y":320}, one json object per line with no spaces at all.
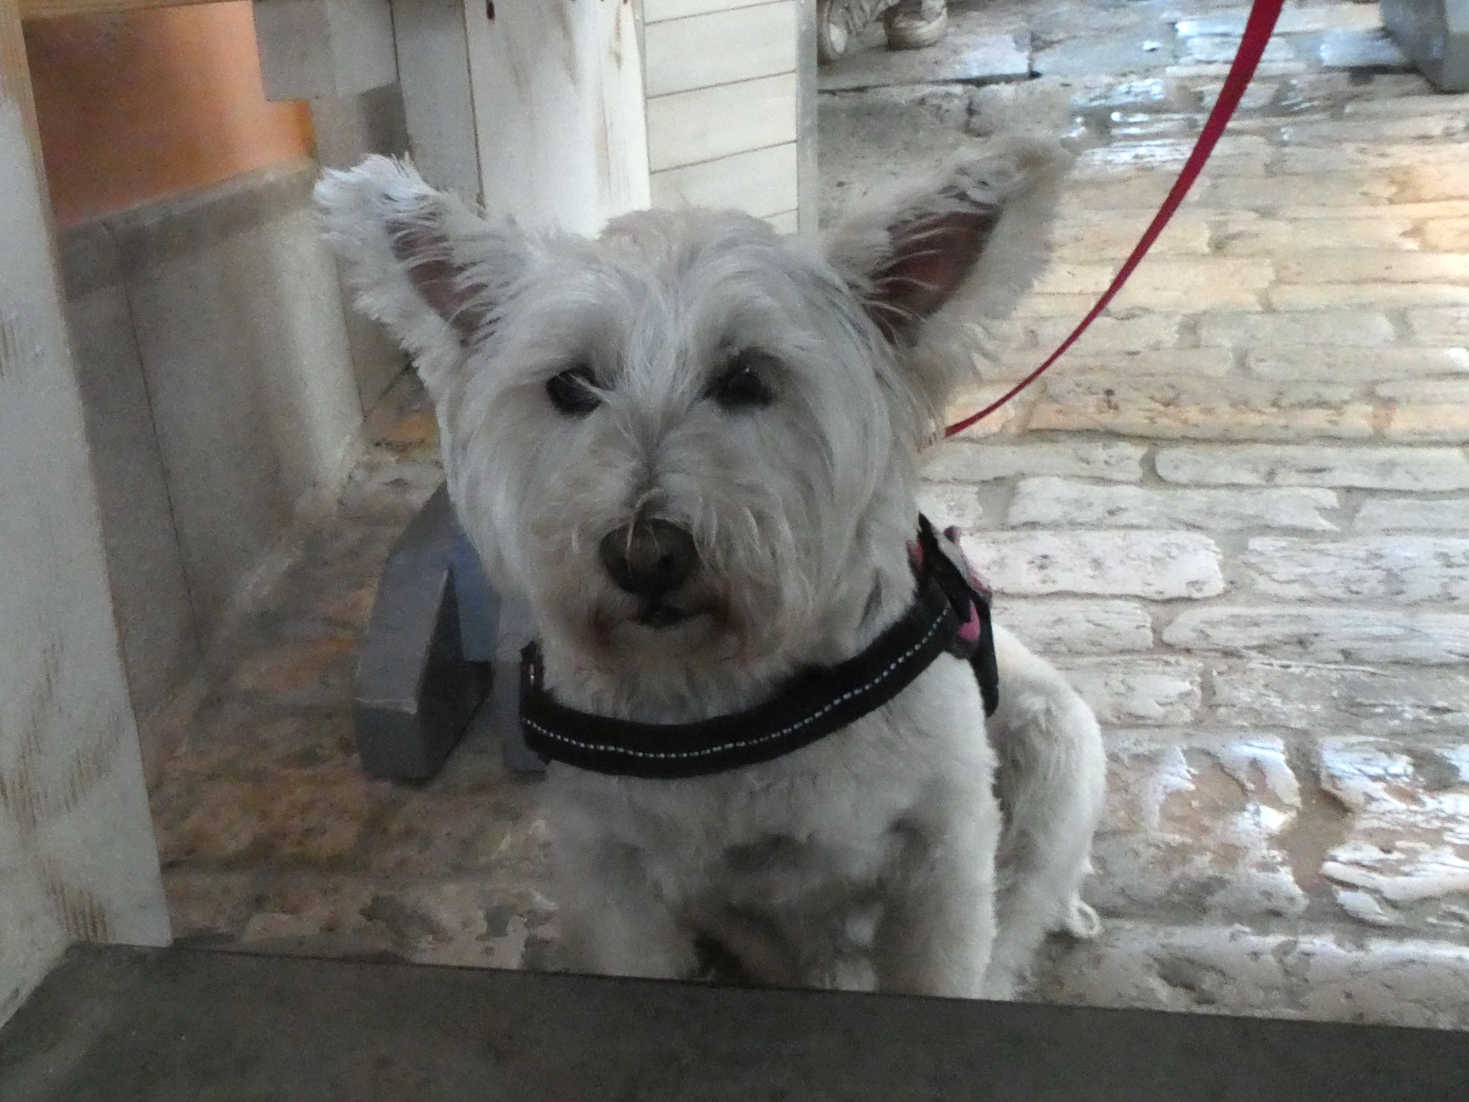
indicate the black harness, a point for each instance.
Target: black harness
{"x":950,"y":615}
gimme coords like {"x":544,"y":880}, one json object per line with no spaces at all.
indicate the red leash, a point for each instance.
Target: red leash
{"x":1257,"y":31}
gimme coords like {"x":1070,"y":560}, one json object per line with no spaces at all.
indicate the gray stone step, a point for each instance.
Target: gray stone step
{"x":166,"y":1025}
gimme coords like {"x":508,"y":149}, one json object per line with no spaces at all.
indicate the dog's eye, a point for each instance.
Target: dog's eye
{"x":743,"y":385}
{"x":571,"y":391}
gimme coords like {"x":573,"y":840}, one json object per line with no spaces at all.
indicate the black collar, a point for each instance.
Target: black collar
{"x":950,"y":614}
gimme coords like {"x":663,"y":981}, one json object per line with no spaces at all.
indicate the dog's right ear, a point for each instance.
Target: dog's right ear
{"x":425,"y":265}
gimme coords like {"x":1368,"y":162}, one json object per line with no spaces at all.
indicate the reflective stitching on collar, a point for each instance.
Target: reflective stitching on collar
{"x":741,"y":744}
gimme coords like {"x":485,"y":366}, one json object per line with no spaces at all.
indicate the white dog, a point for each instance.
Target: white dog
{"x":693,"y":447}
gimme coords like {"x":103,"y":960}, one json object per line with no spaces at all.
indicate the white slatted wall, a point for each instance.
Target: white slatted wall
{"x":723,"y":105}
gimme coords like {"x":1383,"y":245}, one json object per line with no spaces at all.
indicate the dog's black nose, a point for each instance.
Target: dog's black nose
{"x":649,"y":558}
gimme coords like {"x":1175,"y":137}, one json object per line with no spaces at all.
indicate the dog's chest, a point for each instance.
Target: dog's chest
{"x":772,"y":860}
{"x":830,"y":820}
{"x":829,"y":814}
{"x":779,"y":872}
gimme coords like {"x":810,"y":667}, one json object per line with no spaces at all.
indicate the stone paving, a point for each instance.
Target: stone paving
{"x":1237,"y":513}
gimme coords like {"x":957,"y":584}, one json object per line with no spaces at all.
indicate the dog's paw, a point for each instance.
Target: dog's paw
{"x":1082,"y":921}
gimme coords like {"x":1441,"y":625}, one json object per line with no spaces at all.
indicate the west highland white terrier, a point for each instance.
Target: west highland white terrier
{"x":692,"y":446}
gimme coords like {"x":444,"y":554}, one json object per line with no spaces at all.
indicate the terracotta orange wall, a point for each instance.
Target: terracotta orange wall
{"x":135,"y":107}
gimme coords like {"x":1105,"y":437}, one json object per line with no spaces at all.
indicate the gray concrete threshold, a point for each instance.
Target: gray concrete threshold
{"x":123,"y":1024}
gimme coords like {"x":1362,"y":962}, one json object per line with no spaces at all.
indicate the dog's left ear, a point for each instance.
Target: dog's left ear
{"x":906,"y":260}
{"x":425,"y":265}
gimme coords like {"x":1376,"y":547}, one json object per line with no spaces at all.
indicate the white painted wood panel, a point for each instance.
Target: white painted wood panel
{"x":688,"y":127}
{"x":655,"y":11}
{"x":310,"y":49}
{"x":759,"y":182}
{"x":558,"y":108}
{"x":808,"y":183}
{"x":720,"y":47}
{"x":438,"y":103}
{"x":784,"y":222}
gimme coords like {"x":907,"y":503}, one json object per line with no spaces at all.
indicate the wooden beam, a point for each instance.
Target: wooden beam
{"x":324,"y":49}
{"x":558,"y":110}
{"x":82,"y":864}
{"x":50,"y":9}
{"x":438,"y":101}
{"x":15,"y":86}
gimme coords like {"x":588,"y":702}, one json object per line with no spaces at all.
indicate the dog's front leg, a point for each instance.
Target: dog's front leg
{"x":938,"y":925}
{"x":615,"y":921}
{"x":1052,"y":779}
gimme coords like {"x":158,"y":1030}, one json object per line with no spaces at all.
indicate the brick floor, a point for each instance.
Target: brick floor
{"x":1236,"y":514}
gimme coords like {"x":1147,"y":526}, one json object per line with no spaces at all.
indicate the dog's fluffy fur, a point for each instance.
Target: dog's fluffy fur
{"x":908,"y":852}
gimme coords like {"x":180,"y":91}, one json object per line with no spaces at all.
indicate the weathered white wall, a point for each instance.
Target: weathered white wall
{"x":77,"y":859}
{"x":220,"y":401}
